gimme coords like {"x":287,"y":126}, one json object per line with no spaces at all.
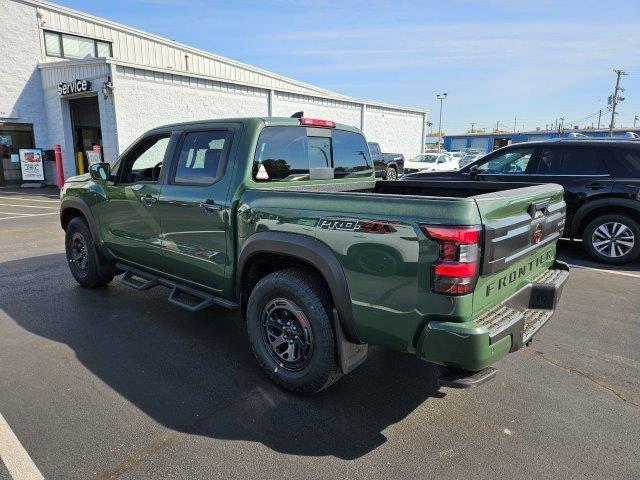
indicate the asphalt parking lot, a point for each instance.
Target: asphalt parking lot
{"x":115,"y":383}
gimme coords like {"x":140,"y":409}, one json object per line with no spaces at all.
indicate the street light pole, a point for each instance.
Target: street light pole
{"x":440,"y":97}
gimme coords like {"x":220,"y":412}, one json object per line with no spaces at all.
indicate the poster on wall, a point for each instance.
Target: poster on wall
{"x":31,"y":164}
{"x":93,"y":157}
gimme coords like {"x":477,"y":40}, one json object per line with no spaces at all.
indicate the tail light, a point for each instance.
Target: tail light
{"x":316,"y":122}
{"x":457,"y":268}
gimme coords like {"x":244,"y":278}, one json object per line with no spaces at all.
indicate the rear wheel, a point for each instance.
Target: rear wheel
{"x":291,"y":333}
{"x":392,"y":174}
{"x":612,"y":239}
{"x":87,"y":265}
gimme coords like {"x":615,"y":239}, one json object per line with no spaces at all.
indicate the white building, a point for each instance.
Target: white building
{"x":135,"y":81}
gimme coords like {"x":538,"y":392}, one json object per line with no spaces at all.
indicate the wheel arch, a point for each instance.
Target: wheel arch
{"x":592,"y":210}
{"x":71,"y":208}
{"x":266,"y":252}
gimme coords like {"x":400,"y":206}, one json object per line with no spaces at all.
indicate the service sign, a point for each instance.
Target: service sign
{"x":77,"y":86}
{"x":31,"y":164}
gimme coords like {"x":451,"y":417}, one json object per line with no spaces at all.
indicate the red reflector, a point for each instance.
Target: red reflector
{"x":461,"y":235}
{"x":456,"y":269}
{"x":316,"y":122}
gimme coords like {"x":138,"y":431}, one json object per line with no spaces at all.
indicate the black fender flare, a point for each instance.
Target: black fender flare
{"x":309,"y":250}
{"x":587,"y":208}
{"x":81,"y":205}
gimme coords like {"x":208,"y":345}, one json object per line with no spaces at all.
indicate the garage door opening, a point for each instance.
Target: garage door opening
{"x":85,"y":123}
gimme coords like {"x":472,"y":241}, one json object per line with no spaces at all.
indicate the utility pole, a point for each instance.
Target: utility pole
{"x":440,"y":97}
{"x":635,"y":119}
{"x":599,"y":117}
{"x":615,"y":99}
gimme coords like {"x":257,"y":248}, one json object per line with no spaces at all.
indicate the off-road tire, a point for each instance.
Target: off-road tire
{"x":631,"y":224}
{"x":304,"y":289}
{"x":97,"y":271}
{"x":391,"y":174}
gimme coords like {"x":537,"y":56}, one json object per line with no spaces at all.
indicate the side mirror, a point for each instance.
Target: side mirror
{"x":100,"y":171}
{"x":473,"y":171}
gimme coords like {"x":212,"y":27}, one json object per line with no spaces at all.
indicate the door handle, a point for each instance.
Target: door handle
{"x":148,"y":200}
{"x":210,"y":206}
{"x":596,"y":186}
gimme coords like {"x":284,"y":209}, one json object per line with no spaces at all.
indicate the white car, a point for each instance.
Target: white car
{"x":431,"y":162}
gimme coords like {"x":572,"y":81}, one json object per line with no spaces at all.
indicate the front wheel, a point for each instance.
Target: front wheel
{"x":87,"y":265}
{"x":290,"y":329}
{"x":612,"y":239}
{"x":392,"y":174}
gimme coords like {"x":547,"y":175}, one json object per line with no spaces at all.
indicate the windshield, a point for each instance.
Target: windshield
{"x":425,"y":158}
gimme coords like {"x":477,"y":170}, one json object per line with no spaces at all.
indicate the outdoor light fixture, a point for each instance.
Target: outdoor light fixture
{"x":107,"y":88}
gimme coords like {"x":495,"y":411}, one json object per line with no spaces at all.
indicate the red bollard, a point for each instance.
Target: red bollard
{"x":59,"y":171}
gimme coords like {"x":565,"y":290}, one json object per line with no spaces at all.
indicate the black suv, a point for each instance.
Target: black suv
{"x":601,"y":180}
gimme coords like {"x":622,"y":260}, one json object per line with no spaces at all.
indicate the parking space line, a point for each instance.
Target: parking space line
{"x":27,"y":215}
{"x":27,"y":206}
{"x":17,"y":213}
{"x":604,"y":270}
{"x":2,"y":197}
{"x":15,"y":458}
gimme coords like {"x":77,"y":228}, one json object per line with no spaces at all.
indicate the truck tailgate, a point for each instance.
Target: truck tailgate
{"x":521,"y":227}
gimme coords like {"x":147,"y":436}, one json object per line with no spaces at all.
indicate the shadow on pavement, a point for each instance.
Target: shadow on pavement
{"x":574,"y":254}
{"x":195,"y":373}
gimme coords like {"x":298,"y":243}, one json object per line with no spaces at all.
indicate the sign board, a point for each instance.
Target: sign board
{"x":93,"y":157}
{"x":77,"y":86}
{"x":31,"y":164}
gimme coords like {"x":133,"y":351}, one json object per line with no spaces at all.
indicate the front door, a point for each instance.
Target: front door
{"x":194,"y":209}
{"x":129,"y":218}
{"x":513,"y":165}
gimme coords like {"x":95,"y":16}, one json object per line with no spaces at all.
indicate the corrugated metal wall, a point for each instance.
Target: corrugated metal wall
{"x":137,"y":48}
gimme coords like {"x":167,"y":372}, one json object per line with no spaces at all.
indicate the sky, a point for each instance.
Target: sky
{"x":522,"y":63}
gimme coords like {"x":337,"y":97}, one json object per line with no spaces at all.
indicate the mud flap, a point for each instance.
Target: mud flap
{"x":351,"y":355}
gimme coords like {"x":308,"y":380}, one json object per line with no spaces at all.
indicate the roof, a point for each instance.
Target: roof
{"x":138,"y":49}
{"x":268,"y":121}
{"x":592,"y":142}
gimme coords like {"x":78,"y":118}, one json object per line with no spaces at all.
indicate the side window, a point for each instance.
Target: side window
{"x":201,"y":159}
{"x":571,"y":161}
{"x":350,"y":155}
{"x":144,"y":162}
{"x":513,"y":162}
{"x":626,"y":164}
{"x":374,"y":148}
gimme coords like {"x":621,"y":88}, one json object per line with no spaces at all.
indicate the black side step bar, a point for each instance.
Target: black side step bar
{"x":461,"y":379}
{"x":181,"y":295}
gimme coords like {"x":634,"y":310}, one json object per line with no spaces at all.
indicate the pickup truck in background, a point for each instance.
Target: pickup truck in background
{"x":388,"y":166}
{"x":283,"y":220}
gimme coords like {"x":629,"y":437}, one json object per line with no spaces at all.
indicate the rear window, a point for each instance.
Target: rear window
{"x":626,"y":164}
{"x":297,"y":153}
{"x":571,"y":161}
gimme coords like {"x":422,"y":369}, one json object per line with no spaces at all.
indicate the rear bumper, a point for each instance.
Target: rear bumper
{"x":476,"y":344}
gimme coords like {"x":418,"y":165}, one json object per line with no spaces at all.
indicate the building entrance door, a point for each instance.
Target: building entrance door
{"x":85,"y":122}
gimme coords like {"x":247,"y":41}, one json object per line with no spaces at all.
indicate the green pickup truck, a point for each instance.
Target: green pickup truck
{"x":283,"y":219}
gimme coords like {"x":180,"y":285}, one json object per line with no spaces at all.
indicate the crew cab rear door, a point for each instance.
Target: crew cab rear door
{"x":193,"y":206}
{"x":521,"y":227}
